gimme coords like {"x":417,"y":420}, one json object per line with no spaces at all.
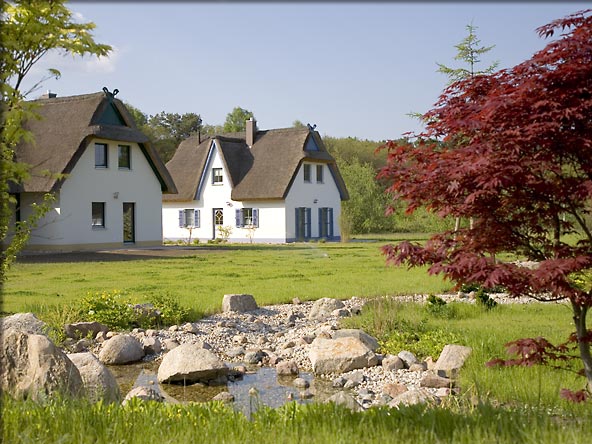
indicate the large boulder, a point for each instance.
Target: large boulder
{"x":121,"y":349}
{"x":451,"y":360}
{"x":324,"y":307}
{"x":239,"y":303}
{"x":99,"y":382}
{"x":25,"y":322}
{"x":31,"y":366}
{"x":370,"y":341}
{"x":346,"y":400}
{"x":340,"y":355}
{"x":413,"y":397}
{"x":189,"y":363}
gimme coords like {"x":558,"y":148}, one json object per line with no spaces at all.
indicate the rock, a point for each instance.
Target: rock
{"x":169,"y":344}
{"x":239,"y":303}
{"x":356,"y":377}
{"x":451,"y":360}
{"x":306,"y":394}
{"x":287,"y":368}
{"x":144,"y":393}
{"x":296,"y":301}
{"x":338,"y":382}
{"x":226,"y":397}
{"x":254,"y":356}
{"x":341,"y":313}
{"x":190,"y":328}
{"x":151,"y":345}
{"x":24,"y":322}
{"x":340,"y":355}
{"x":413,"y":397}
{"x":323,"y":307}
{"x":370,"y":341}
{"x":31,"y":366}
{"x":235,"y":352}
{"x":391,"y":363}
{"x":121,"y":349}
{"x":99,"y":382}
{"x":408,"y":358}
{"x":300,"y":383}
{"x":431,"y":380}
{"x":191,"y":363}
{"x":394,"y":389}
{"x":345,"y":399}
{"x":418,"y":367}
{"x":84,"y":329}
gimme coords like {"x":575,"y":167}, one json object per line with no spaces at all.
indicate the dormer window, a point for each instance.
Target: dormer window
{"x":217,"y":178}
{"x":101,"y":160}
{"x":307,"y":173}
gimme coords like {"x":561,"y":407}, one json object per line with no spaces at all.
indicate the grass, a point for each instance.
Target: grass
{"x":64,"y":421}
{"x":272,"y":274}
{"x":486,"y":332}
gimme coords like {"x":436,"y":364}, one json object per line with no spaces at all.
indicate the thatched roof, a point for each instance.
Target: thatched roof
{"x":264,"y":171}
{"x":65,"y":128}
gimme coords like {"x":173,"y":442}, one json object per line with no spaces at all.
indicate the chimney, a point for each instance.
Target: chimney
{"x":251,"y":131}
{"x":48,"y":95}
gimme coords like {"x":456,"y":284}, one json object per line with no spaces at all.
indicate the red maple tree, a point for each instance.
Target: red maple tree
{"x":513,"y":151}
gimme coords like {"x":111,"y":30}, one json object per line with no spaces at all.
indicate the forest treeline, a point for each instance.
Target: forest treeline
{"x":359,"y":162}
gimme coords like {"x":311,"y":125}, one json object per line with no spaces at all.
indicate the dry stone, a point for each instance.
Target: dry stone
{"x":99,"y":382}
{"x":451,"y":360}
{"x":121,"y":349}
{"x":84,"y":329}
{"x":191,"y":363}
{"x":370,"y":341}
{"x":25,"y":322}
{"x":239,"y":303}
{"x":413,"y":397}
{"x":324,"y":307}
{"x":340,"y":355}
{"x":287,"y":368}
{"x":432,"y":380}
{"x":408,"y":358}
{"x":391,"y":363}
{"x":31,"y":366}
{"x":144,"y":393}
{"x":346,"y":400}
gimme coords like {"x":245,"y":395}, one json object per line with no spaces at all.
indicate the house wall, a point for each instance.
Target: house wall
{"x":312,"y":195}
{"x":69,"y":225}
{"x":272,"y":220}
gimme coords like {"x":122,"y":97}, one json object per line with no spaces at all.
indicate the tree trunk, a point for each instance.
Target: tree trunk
{"x":580,"y":313}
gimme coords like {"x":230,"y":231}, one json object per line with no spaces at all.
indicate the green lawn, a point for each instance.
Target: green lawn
{"x":271,"y":273}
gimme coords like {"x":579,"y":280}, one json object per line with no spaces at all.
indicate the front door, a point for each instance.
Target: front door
{"x":129,"y":222}
{"x":218,"y":215}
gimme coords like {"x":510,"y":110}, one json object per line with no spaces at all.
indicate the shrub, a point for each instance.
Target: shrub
{"x":171,"y":312}
{"x":114,"y":309}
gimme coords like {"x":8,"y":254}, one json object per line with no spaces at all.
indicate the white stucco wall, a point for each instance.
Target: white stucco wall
{"x":312,"y":195}
{"x":70,"y":222}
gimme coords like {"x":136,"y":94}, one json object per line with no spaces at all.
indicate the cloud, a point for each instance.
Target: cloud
{"x":103,"y":65}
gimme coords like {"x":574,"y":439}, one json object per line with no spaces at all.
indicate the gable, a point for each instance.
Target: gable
{"x":110,"y":116}
{"x":311,"y":145}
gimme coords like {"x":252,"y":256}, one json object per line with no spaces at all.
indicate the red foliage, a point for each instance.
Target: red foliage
{"x":512,"y":151}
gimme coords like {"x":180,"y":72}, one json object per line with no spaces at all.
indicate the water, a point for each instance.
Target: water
{"x":272,"y":390}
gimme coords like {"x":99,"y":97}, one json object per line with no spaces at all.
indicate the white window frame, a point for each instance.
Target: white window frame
{"x":307,"y":173}
{"x":217,"y":176}
{"x":105,"y":148}
{"x":320,"y":173}
{"x":98,"y":223}
{"x":189,"y":218}
{"x":129,"y":157}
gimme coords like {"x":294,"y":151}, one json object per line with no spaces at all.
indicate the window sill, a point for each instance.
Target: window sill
{"x":99,"y":167}
{"x":99,"y":227}
{"x":124,"y":169}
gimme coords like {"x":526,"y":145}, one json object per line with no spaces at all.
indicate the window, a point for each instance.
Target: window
{"x":319,"y":173}
{"x":189,"y":218}
{"x":307,"y":172}
{"x":98,"y":214}
{"x":101,"y":160}
{"x":247,"y":217}
{"x":124,"y":154}
{"x":326,"y":223}
{"x":303,"y":223}
{"x":217,"y":177}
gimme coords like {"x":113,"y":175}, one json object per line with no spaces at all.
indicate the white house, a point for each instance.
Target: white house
{"x":111,"y":182}
{"x":273,"y":186}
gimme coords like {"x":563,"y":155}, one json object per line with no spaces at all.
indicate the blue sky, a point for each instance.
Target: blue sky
{"x":353,"y":69}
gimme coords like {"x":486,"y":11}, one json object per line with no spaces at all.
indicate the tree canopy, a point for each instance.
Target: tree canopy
{"x":512,"y":149}
{"x":236,"y":120}
{"x":28,"y":32}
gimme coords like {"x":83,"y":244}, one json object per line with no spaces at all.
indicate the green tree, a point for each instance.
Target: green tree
{"x":29,"y":30}
{"x":469,"y":52}
{"x":298,"y":124}
{"x":236,"y":120}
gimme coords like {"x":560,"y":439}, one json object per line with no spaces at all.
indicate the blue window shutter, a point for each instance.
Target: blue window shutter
{"x":308,"y":219}
{"x":196,"y":221}
{"x":181,"y":218}
{"x":256,"y":217}
{"x":320,"y":221}
{"x":330,"y":217}
{"x":297,"y":213}
{"x":237,"y":216}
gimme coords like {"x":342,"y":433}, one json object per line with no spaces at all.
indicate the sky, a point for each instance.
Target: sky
{"x":352,"y":69}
